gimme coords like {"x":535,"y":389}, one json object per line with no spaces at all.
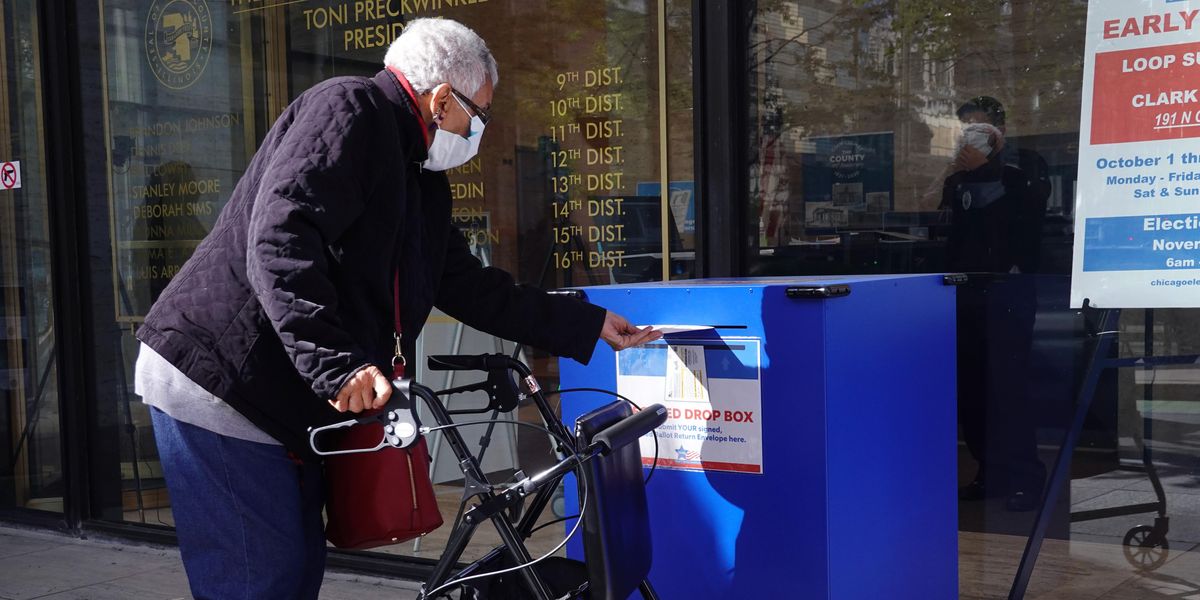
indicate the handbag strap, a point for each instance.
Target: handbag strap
{"x":398,"y":361}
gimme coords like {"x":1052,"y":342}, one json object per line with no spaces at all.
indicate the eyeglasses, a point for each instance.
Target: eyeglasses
{"x":483,"y":115}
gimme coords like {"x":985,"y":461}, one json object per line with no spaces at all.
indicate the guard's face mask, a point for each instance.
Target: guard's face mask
{"x":450,"y":150}
{"x":979,"y":136}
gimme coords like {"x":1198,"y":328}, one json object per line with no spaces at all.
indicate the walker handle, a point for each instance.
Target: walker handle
{"x":629,"y":429}
{"x":401,"y":428}
{"x":468,"y":362}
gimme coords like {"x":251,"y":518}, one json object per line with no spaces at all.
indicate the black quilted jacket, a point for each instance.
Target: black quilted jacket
{"x":291,"y":291}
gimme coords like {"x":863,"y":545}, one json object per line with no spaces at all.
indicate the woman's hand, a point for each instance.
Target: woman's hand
{"x":366,"y":389}
{"x":619,"y":334}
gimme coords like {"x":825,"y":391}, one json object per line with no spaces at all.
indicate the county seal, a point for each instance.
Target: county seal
{"x":178,"y":41}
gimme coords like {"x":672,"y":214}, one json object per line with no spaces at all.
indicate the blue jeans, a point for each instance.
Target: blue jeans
{"x":248,"y":517}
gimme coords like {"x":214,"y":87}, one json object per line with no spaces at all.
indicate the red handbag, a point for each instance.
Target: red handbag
{"x":378,"y":498}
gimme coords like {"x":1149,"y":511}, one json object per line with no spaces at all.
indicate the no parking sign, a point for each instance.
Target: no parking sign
{"x":10,"y":175}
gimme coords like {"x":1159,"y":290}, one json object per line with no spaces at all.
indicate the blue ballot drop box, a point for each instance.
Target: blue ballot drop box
{"x":811,"y":446}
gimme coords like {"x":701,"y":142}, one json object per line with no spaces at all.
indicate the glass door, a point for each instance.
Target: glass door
{"x":31,"y":474}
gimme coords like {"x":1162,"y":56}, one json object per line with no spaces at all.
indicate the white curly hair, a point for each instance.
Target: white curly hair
{"x":434,"y":51}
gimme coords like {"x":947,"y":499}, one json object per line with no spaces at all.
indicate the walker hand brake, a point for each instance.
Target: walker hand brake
{"x":401,"y":428}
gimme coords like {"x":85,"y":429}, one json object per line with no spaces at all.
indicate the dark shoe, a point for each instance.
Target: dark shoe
{"x":1022,"y":501}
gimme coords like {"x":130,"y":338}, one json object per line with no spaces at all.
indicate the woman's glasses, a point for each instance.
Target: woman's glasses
{"x":483,"y":115}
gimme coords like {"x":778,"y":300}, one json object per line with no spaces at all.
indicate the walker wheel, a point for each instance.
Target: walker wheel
{"x":1145,"y":549}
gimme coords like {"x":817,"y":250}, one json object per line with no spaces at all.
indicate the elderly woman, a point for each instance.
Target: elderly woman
{"x":284,"y":316}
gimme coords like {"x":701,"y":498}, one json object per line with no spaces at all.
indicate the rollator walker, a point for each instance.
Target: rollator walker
{"x":602,"y":452}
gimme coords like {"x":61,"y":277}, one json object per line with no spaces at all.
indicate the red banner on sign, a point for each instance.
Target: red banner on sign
{"x":1146,"y":95}
{"x":706,"y":465}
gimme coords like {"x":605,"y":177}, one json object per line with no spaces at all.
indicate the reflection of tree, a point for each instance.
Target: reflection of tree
{"x":872,"y":63}
{"x":904,"y":65}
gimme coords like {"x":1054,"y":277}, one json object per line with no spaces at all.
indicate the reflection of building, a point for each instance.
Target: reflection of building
{"x":844,"y":69}
{"x":824,"y":215}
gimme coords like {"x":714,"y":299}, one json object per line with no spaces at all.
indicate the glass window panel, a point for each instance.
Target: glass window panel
{"x":31,"y":474}
{"x":858,"y":111}
{"x":566,"y":190}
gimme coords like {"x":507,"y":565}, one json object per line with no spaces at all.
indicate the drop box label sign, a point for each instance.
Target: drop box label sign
{"x":712,"y":390}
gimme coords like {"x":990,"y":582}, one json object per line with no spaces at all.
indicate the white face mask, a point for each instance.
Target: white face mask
{"x":450,"y":150}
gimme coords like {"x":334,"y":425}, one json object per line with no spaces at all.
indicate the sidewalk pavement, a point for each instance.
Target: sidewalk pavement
{"x":46,"y":564}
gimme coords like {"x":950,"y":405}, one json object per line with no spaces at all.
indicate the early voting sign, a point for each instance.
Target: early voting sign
{"x":1137,"y":216}
{"x":712,"y":390}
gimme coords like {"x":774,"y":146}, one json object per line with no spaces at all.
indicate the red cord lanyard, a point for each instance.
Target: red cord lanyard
{"x":398,"y":361}
{"x":412,"y":94}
